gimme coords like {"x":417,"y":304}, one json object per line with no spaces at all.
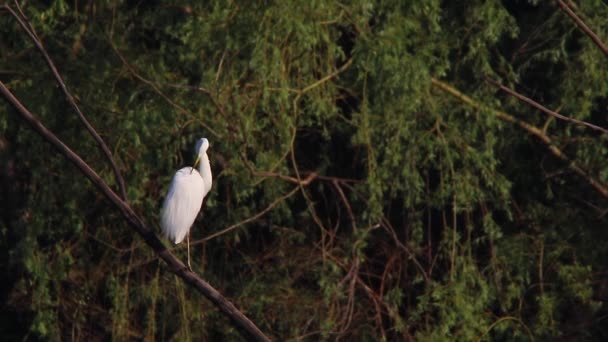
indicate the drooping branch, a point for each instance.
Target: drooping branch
{"x":583,"y":26}
{"x":537,"y":132}
{"x":175,"y":265}
{"x":25,"y":25}
{"x":542,"y":108}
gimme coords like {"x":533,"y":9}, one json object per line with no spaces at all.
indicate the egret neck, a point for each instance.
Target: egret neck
{"x":204,"y":168}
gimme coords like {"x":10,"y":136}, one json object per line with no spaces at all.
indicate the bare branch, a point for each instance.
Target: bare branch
{"x":176,"y":266}
{"x":543,"y":108}
{"x":27,"y":27}
{"x":573,"y":165}
{"x":349,"y":209}
{"x":583,"y":26}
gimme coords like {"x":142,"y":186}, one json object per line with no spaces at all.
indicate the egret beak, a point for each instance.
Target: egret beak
{"x":197,"y":161}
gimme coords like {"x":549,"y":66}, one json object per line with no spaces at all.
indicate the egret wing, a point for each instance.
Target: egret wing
{"x":182,"y":204}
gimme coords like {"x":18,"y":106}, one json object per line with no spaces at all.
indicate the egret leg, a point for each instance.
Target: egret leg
{"x":188,"y":241}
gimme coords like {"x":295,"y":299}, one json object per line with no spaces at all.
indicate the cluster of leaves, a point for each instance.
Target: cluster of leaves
{"x":424,"y":217}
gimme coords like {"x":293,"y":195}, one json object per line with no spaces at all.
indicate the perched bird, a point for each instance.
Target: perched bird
{"x":185,"y":197}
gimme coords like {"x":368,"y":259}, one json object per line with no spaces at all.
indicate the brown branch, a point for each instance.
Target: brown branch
{"x":294,"y":180}
{"x":542,"y":108}
{"x":27,"y":27}
{"x":246,"y":326}
{"x":372,"y":295}
{"x":537,"y":132}
{"x":583,"y":26}
{"x":349,"y":209}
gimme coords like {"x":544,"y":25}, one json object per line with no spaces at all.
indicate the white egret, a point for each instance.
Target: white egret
{"x":185,"y":197}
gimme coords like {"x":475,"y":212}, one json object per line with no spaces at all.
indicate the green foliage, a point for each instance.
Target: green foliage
{"x":428,"y":218}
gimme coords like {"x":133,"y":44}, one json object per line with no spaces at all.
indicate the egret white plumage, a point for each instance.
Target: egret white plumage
{"x":185,"y":197}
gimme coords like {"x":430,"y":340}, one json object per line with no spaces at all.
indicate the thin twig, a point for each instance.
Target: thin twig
{"x":504,"y":319}
{"x":157,"y":89}
{"x":542,"y":108}
{"x":372,"y":295}
{"x":385,"y":223}
{"x":328,"y":77}
{"x":583,"y":26}
{"x":175,"y":265}
{"x":304,"y":182}
{"x":27,"y":27}
{"x":349,"y":209}
{"x":291,"y":150}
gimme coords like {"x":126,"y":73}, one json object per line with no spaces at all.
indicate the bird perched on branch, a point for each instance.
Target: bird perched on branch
{"x":185,"y":197}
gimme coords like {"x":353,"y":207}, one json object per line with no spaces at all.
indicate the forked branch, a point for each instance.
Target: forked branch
{"x":537,"y":132}
{"x":542,"y":108}
{"x":583,"y":26}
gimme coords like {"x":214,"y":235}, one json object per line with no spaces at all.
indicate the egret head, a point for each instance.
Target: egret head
{"x":202,"y":145}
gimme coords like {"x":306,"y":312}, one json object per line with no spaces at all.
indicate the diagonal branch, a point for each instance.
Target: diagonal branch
{"x":246,"y":326}
{"x":537,"y":132}
{"x":583,"y":26}
{"x":543,"y":108}
{"x":24,"y":22}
